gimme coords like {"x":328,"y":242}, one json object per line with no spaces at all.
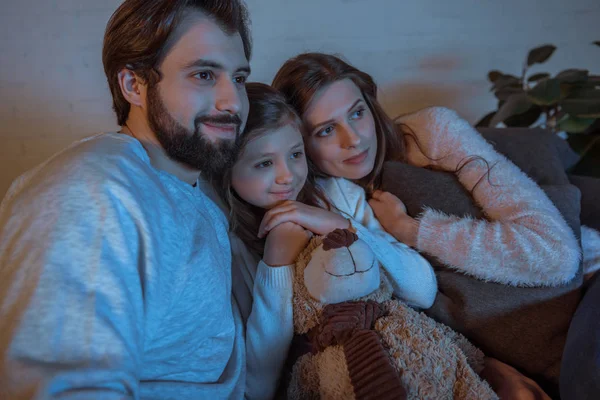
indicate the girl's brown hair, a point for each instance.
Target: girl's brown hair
{"x":301,"y":77}
{"x":268,"y":111}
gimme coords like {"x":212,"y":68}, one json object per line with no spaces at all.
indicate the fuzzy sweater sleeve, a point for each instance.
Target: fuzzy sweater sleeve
{"x":524,"y":241}
{"x":413,"y":278}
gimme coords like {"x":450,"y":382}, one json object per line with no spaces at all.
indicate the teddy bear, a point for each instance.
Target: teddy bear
{"x":365,"y":344}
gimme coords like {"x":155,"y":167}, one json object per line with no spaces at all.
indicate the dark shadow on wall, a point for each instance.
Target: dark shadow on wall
{"x":441,"y":82}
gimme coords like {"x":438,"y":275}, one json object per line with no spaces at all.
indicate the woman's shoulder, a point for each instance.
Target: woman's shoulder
{"x":436,"y":115}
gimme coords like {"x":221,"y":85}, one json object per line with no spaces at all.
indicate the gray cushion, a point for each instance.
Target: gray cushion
{"x":525,"y":327}
{"x":580,"y":378}
{"x":539,"y":153}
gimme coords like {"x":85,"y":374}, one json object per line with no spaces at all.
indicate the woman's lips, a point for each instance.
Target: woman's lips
{"x":357,"y":159}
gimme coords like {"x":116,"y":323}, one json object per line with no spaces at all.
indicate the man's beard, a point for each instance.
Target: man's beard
{"x":191,"y":148}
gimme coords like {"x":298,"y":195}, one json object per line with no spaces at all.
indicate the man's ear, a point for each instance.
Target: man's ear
{"x":132,"y":86}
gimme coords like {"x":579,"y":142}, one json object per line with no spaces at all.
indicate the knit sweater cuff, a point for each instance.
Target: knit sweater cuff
{"x":275,"y":277}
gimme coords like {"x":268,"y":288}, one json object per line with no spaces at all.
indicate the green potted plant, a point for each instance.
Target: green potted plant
{"x":568,"y":102}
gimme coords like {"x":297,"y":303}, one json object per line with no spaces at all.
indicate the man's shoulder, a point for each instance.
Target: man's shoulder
{"x":89,"y":164}
{"x":100,"y":154}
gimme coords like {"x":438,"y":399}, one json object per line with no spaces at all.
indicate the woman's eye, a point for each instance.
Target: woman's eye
{"x":358,"y":113}
{"x":263,"y":164}
{"x":297,"y":154}
{"x":241,"y":79}
{"x":325,"y":132}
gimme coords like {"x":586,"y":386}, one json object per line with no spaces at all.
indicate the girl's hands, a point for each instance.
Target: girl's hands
{"x":316,"y":220}
{"x":284,"y":244}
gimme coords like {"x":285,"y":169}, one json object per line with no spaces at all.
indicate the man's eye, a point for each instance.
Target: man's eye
{"x":204,"y":75}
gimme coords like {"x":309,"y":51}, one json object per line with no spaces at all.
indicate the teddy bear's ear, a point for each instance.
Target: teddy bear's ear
{"x":339,"y":238}
{"x":307,"y":310}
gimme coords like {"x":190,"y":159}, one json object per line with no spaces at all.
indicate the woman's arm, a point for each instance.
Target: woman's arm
{"x":525,"y":240}
{"x":413,"y":278}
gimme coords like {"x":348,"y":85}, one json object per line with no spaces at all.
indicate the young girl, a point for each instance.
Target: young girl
{"x":270,"y":170}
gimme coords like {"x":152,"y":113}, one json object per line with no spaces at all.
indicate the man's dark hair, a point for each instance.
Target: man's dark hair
{"x":141,"y":32}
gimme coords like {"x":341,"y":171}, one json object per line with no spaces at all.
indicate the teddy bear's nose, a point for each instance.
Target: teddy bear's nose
{"x":343,"y":264}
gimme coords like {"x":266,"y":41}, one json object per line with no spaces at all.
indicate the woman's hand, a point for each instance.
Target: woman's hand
{"x":284,"y":244}
{"x":391,"y":213}
{"x":316,"y":220}
{"x":508,"y":383}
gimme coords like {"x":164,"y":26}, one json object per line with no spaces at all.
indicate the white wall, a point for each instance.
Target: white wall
{"x":422,"y":52}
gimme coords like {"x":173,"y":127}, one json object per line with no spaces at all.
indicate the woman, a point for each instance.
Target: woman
{"x":271,"y":172}
{"x":524,"y":241}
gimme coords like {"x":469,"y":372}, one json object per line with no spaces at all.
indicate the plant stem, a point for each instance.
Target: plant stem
{"x":588,"y":147}
{"x":553,"y":121}
{"x":523,"y":74}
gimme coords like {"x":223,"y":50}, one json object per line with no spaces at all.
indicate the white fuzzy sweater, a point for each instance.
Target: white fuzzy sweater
{"x":264,"y":293}
{"x":524,"y":241}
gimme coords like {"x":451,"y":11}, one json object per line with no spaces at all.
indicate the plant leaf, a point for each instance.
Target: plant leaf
{"x":588,"y":165}
{"x":538,"y":77}
{"x":572,"y":124}
{"x":579,"y":142}
{"x":506,"y":92}
{"x":572,"y":75}
{"x":505,"y":81}
{"x":525,"y":119}
{"x":494,"y":75}
{"x":516,"y":104}
{"x":582,"y":107}
{"x":540,"y":54}
{"x":593,"y":80}
{"x":546,"y":92}
{"x":485,"y":121}
{"x":584,"y":93}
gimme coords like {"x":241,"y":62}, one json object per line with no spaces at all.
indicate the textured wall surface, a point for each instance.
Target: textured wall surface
{"x":427,"y":52}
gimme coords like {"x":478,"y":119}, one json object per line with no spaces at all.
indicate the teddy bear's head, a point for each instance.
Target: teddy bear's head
{"x":333,"y":269}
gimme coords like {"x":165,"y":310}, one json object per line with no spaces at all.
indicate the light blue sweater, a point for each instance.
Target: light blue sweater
{"x":115,"y":282}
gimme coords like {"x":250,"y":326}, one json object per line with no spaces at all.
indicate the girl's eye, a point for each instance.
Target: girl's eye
{"x":297,"y":154}
{"x":241,"y":79}
{"x":325,"y":132}
{"x":264,"y":164}
{"x":358,"y":113}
